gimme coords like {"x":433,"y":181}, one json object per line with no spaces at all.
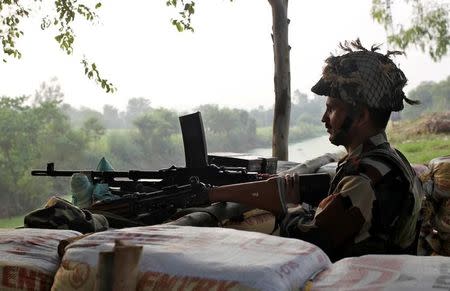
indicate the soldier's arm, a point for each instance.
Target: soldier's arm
{"x":339,"y":217}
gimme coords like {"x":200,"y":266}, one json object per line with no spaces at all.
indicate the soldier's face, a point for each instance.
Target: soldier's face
{"x":333,"y":117}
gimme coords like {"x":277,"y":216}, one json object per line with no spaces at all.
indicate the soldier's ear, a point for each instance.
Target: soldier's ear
{"x":363,"y":118}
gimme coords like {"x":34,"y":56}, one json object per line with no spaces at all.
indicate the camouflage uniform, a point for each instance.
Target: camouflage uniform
{"x":61,"y":214}
{"x":374,"y":199}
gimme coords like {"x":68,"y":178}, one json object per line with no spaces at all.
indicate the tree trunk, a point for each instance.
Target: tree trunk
{"x":282,"y":79}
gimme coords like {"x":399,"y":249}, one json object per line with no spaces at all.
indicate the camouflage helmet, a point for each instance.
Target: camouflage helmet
{"x":364,"y":76}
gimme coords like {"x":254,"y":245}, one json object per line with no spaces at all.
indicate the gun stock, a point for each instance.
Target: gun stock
{"x":268,"y":194}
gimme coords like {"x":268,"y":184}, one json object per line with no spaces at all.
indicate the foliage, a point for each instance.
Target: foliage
{"x":61,"y":17}
{"x":304,"y":109}
{"x":122,"y":151}
{"x":48,"y":92}
{"x":155,"y":130}
{"x":417,"y":143}
{"x":31,"y":135}
{"x":305,"y":131}
{"x":186,"y":9}
{"x":433,"y":96}
{"x":227,"y":128}
{"x":262,"y":116}
{"x":93,"y":129}
{"x":112,"y":118}
{"x":13,"y":15}
{"x":135,"y":108}
{"x":307,"y":110}
{"x":77,"y":117}
{"x":429,"y":27}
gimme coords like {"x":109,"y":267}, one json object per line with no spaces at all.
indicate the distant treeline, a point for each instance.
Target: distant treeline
{"x":433,"y":96}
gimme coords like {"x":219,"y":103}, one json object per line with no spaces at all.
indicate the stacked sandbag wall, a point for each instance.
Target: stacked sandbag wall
{"x":172,"y":257}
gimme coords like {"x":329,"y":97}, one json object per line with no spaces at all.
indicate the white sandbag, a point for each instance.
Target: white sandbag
{"x":257,"y":220}
{"x":385,"y":272}
{"x":29,"y":257}
{"x":191,"y":258}
{"x":420,"y":169}
{"x":435,"y":229}
{"x":437,"y":182}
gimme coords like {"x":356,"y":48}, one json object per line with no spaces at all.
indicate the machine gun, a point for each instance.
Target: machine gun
{"x":272,"y":195}
{"x":125,"y":182}
{"x":151,"y":197}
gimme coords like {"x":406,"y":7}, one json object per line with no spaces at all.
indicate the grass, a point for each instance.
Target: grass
{"x":17,"y":221}
{"x":414,"y":140}
{"x":12,"y":222}
{"x":424,"y":148}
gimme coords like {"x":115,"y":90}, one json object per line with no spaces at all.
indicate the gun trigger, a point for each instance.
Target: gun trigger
{"x":194,"y":180}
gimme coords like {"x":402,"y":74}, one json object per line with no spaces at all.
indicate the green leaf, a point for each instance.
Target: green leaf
{"x":179,"y":26}
{"x":98,"y":5}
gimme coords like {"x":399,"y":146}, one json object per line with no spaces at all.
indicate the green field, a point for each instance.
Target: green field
{"x":11,"y":222}
{"x":17,"y":221}
{"x":414,"y":140}
{"x":424,"y":149}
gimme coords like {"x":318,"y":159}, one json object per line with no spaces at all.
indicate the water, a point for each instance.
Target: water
{"x":305,"y":150}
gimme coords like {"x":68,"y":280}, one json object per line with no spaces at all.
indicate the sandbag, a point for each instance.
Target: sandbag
{"x":29,"y":257}
{"x":435,"y":229}
{"x":257,"y":220}
{"x":385,"y":272}
{"x":421,"y":170}
{"x":437,"y":181}
{"x":196,"y":258}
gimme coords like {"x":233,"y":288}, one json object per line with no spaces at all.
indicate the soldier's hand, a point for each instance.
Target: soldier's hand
{"x":293,"y":215}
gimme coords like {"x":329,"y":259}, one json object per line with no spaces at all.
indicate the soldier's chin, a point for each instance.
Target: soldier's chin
{"x":337,"y":138}
{"x":333,"y":140}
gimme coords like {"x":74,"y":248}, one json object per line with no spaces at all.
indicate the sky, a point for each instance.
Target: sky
{"x":228,"y":60}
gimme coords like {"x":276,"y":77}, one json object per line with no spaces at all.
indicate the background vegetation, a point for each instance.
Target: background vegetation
{"x":424,"y":138}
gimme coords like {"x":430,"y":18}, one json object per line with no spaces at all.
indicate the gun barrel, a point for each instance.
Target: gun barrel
{"x":53,"y":173}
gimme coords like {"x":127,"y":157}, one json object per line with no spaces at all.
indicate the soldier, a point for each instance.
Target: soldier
{"x":375,"y":197}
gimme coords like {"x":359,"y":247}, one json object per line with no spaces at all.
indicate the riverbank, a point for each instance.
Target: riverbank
{"x":305,"y":150}
{"x":420,"y":140}
{"x":418,"y":149}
